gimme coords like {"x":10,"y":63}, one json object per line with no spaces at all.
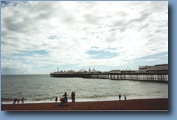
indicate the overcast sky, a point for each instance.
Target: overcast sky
{"x":38,"y":37}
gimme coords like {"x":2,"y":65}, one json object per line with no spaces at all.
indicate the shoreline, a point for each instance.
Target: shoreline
{"x":82,"y":100}
{"x":160,"y":104}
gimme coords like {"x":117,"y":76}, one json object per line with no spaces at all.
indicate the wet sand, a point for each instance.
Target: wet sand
{"x":128,"y":105}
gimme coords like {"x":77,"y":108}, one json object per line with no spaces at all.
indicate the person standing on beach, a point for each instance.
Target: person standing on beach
{"x":72,"y":96}
{"x":18,"y":101}
{"x":22,"y":100}
{"x":15,"y":100}
{"x":119,"y":96}
{"x":125,"y":97}
{"x":56,"y":99}
{"x":65,"y":97}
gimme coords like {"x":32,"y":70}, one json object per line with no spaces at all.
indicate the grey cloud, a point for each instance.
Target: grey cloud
{"x":157,"y":6}
{"x":161,"y":30}
{"x":12,"y":25}
{"x":91,"y":19}
{"x":121,"y":25}
{"x":143,"y":17}
{"x":29,"y":20}
{"x":142,"y":27}
{"x":117,"y":28}
{"x":67,"y":18}
{"x":122,"y":13}
{"x":44,"y":16}
{"x":44,"y":7}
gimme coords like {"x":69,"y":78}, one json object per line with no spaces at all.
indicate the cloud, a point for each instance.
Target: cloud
{"x":101,"y":54}
{"x":44,"y":35}
{"x":29,"y":53}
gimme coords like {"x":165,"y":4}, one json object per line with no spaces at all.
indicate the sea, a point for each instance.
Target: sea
{"x":44,"y":89}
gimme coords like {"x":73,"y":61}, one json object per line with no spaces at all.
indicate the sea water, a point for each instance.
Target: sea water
{"x":43,"y":88}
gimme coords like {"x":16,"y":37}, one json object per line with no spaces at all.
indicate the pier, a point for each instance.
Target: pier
{"x":157,"y":73}
{"x":156,"y":77}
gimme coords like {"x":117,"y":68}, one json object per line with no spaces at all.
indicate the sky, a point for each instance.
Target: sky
{"x":37,"y":37}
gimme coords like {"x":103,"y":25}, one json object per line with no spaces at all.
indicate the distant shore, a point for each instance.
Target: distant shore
{"x":128,"y":105}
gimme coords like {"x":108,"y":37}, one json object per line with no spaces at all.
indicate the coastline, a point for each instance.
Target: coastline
{"x":160,"y":104}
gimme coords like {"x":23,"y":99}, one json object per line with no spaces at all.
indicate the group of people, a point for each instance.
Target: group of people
{"x":124,"y":97}
{"x":64,"y":98}
{"x":17,"y":101}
